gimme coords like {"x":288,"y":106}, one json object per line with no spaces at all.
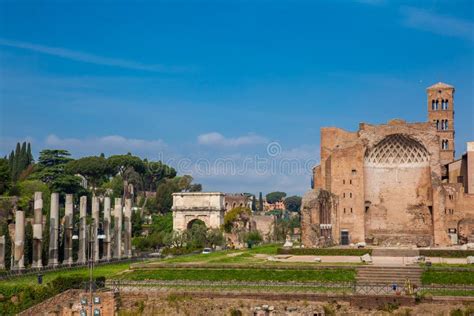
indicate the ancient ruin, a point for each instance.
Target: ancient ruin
{"x":68,"y":227}
{"x":54,"y":230}
{"x":38,"y":231}
{"x":207,"y":207}
{"x":393,"y":184}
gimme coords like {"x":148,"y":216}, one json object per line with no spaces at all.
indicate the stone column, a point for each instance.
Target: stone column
{"x":127,"y":213}
{"x":19,"y":258}
{"x":107,"y":248}
{"x":82,"y":257}
{"x":68,"y":227}
{"x":2,"y":252}
{"x":118,"y":228}
{"x":95,"y":223}
{"x":54,"y":230}
{"x":38,"y":231}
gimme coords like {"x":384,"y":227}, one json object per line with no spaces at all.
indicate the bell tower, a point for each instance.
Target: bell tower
{"x":441,"y":114}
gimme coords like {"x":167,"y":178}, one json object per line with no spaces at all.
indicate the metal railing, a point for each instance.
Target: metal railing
{"x":66,"y":267}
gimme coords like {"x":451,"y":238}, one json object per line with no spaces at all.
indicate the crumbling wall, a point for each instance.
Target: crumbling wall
{"x":315,"y":202}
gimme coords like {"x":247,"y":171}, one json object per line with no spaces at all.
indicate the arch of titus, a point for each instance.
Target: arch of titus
{"x":208,"y":207}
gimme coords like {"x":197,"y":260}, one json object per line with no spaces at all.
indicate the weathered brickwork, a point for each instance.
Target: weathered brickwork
{"x":393,"y":184}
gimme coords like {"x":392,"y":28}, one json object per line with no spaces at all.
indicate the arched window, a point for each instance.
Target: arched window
{"x":433,"y":104}
{"x":350,"y":195}
{"x":444,"y":144}
{"x":437,"y":124}
{"x":444,"y":104}
{"x":446,"y":126}
{"x":344,"y":194}
{"x":436,"y":105}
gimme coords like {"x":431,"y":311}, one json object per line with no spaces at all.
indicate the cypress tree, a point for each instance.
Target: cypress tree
{"x":260,"y":202}
{"x":30,"y":155}
{"x":23,"y":161}
{"x":16,"y":158}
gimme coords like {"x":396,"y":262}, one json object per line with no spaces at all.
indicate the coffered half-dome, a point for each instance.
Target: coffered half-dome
{"x":397,"y":150}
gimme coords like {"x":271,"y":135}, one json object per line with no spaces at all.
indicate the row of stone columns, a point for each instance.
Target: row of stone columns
{"x":121,"y":214}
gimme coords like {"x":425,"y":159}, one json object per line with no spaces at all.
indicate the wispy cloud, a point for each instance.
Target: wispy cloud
{"x":217,"y":139}
{"x":437,"y":24}
{"x":90,"y":58}
{"x":113,"y":144}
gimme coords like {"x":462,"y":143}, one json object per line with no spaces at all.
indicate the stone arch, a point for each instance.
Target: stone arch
{"x":397,"y":179}
{"x":195,"y":221}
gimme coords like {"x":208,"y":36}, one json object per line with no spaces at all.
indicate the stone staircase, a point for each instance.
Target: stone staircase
{"x":388,"y":275}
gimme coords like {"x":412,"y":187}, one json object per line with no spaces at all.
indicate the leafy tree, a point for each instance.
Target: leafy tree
{"x":28,"y":254}
{"x":215,"y":237}
{"x":53,"y":157}
{"x":195,"y":187}
{"x":238,"y":214}
{"x":164,"y":198}
{"x":274,"y":197}
{"x":196,"y":235}
{"x":252,"y":238}
{"x":176,"y":239}
{"x":93,"y":168}
{"x":155,"y":173}
{"x":137,"y":223}
{"x":293,"y":203}
{"x":5,"y":176}
{"x":114,"y":187}
{"x":119,"y":163}
{"x":26,"y":191}
{"x":162,"y":223}
{"x":51,"y":165}
{"x":66,"y":183}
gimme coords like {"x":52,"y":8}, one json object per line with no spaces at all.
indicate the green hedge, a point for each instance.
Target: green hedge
{"x":446,"y":253}
{"x":323,"y":252}
{"x":17,"y":298}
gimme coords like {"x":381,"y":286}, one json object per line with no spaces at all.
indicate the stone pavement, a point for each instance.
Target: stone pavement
{"x":377,"y":261}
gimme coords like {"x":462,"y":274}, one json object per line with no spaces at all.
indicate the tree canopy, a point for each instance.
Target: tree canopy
{"x":93,"y":168}
{"x":274,"y":197}
{"x":120,"y":163}
{"x":293,"y":203}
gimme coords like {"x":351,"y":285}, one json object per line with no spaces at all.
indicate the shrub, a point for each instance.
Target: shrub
{"x":445,"y":253}
{"x":323,"y":252}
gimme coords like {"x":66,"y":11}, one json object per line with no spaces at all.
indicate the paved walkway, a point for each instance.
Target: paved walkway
{"x":382,"y":261}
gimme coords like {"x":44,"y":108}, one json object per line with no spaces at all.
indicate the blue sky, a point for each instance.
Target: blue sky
{"x":212,"y":86}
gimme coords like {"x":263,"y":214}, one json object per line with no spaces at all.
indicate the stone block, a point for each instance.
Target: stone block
{"x":366,"y":258}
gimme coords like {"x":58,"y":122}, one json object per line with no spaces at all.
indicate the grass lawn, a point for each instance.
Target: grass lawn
{"x":99,"y":271}
{"x":251,"y":275}
{"x":447,"y":277}
{"x":217,"y":256}
{"x":448,"y":292}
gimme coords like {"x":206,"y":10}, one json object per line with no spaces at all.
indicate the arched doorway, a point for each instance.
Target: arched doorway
{"x":195,"y":222}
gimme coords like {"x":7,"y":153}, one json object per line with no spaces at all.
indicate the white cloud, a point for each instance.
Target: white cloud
{"x":88,"y":58}
{"x":217,"y":139}
{"x":112,"y":144}
{"x":437,"y":24}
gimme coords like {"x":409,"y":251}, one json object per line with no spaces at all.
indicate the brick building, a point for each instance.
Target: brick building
{"x":393,"y":184}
